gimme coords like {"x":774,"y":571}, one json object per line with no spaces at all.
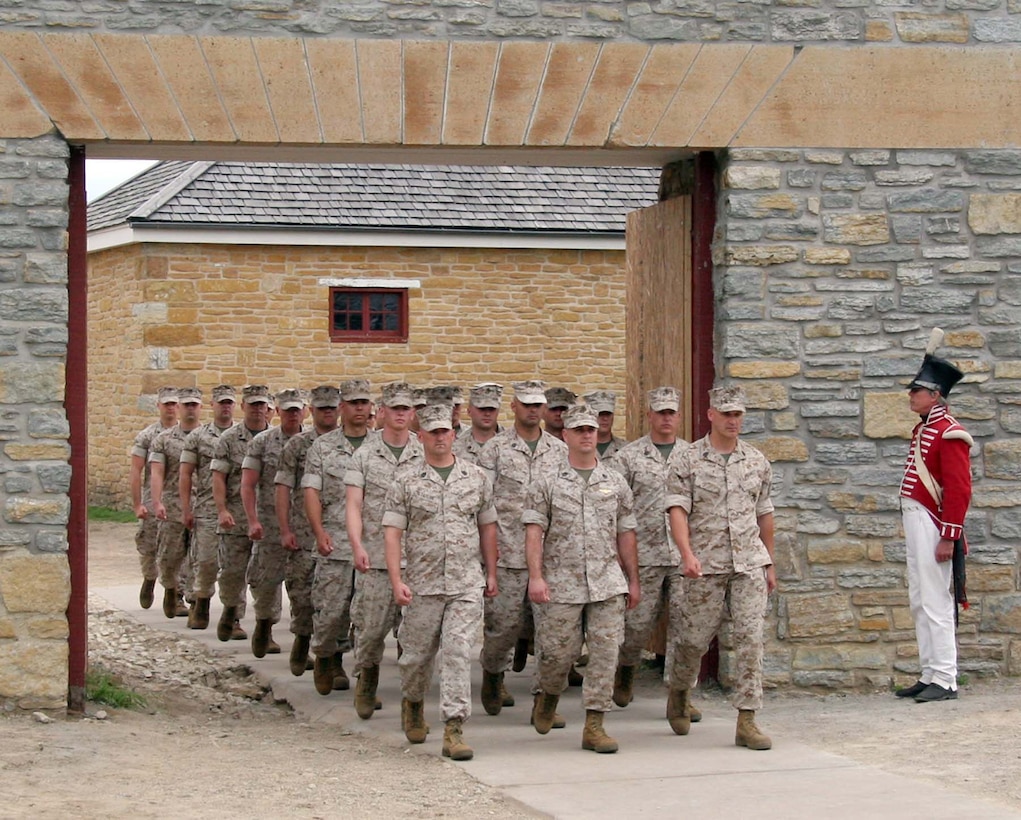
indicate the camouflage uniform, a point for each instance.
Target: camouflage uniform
{"x":145,"y":535}
{"x":200,"y":449}
{"x":512,"y":466}
{"x":235,"y":548}
{"x":171,"y":535}
{"x":466,"y":447}
{"x":327,"y":461}
{"x":581,"y":522}
{"x":444,"y":572}
{"x":301,"y":563}
{"x":373,"y":611}
{"x":266,"y":570}
{"x":723,"y":497}
{"x":659,"y":563}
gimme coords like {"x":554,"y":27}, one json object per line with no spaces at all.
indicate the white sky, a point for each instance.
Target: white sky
{"x":103,"y":174}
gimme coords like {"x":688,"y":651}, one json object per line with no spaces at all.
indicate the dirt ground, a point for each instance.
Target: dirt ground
{"x":211,"y":742}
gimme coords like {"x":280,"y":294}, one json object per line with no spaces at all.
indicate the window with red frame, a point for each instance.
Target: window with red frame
{"x":368,"y":314}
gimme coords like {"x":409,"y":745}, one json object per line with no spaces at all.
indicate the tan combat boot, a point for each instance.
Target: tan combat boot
{"x":322,"y":674}
{"x":237,"y":632}
{"x":594,"y":737}
{"x":696,"y":715}
{"x":181,"y":609}
{"x":748,"y":734}
{"x":678,"y":710}
{"x":146,"y":595}
{"x":170,"y":602}
{"x":413,"y":721}
{"x":225,"y":626}
{"x":299,"y":655}
{"x":623,"y":686}
{"x":340,"y":679}
{"x":365,"y":692}
{"x":492,"y":700}
{"x":454,"y":746}
{"x":201,"y":619}
{"x":260,"y":637}
{"x":272,"y":648}
{"x":544,"y":712}
{"x":506,"y":698}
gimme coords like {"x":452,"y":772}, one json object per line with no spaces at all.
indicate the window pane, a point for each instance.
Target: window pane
{"x":391,"y":302}
{"x":391,"y":323}
{"x":376,"y":301}
{"x":354,"y":321}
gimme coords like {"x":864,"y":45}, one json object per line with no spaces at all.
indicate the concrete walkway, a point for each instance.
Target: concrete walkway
{"x":655,"y":772}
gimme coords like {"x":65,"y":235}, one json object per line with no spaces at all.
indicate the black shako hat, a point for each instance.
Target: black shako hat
{"x":936,"y":374}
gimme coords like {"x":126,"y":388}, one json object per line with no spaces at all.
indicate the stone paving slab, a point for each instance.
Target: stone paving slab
{"x":654,"y":773}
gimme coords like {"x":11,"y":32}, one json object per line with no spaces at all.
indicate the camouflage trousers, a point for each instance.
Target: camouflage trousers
{"x":235,"y":553}
{"x":266,"y":572}
{"x":507,"y":616}
{"x":560,"y":630}
{"x":373,"y":616}
{"x":448,"y":624}
{"x":331,"y":607}
{"x":172,"y":541}
{"x":705,"y":603}
{"x":298,"y":576}
{"x":661,"y":589}
{"x":205,"y":560}
{"x":147,"y":544}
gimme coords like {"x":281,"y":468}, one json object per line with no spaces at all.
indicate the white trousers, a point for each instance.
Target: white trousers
{"x":930,"y":597}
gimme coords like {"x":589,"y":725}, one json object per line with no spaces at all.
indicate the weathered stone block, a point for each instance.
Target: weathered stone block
{"x":781,"y":448}
{"x":848,"y":502}
{"x":872,"y":526}
{"x":991,"y":578}
{"x":1001,"y":613}
{"x":840,"y":656}
{"x":817,"y":524}
{"x":887,"y":414}
{"x":31,"y":382}
{"x":54,"y":450}
{"x":766,"y":396}
{"x":34,"y":673}
{"x":994,"y":496}
{"x":827,"y":256}
{"x":38,"y":583}
{"x":827,"y":679}
{"x":759,"y":255}
{"x":1002,"y":459}
{"x":34,"y":305}
{"x":172,"y":335}
{"x":763,"y":370}
{"x":746,"y":341}
{"x":918,"y":27}
{"x":858,"y":453}
{"x":835,"y":550}
{"x":36,"y":510}
{"x":856,"y":229}
{"x":751,"y":177}
{"x":810,"y":616}
{"x":48,"y":424}
{"x":45,"y":268}
{"x":763,"y":206}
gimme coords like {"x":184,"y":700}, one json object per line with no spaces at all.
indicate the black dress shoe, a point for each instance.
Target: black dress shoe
{"x":910,"y":691}
{"x":935,"y":692}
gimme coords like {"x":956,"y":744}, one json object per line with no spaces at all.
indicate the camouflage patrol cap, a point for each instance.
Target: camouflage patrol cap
{"x":166,"y":395}
{"x":601,"y":401}
{"x":664,"y":398}
{"x":255,"y":394}
{"x":530,"y":392}
{"x":580,"y":415}
{"x":223,"y":392}
{"x":486,"y":396}
{"x":355,"y":390}
{"x":290,"y":399}
{"x":189,"y":395}
{"x":325,"y":395}
{"x":445,"y":394}
{"x":560,"y":397}
{"x":435,"y":417}
{"x":420,"y":396}
{"x":727,"y":399}
{"x":397,"y":394}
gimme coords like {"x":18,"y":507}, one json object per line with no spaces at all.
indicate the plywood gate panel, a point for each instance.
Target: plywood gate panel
{"x":659,"y":317}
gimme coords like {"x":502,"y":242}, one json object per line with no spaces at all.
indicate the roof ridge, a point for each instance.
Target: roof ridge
{"x":169,"y":191}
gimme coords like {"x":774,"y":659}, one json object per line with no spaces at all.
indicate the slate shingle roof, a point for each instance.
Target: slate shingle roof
{"x":380,"y":197}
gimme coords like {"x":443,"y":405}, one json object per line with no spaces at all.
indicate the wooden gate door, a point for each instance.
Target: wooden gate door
{"x":659,"y":309}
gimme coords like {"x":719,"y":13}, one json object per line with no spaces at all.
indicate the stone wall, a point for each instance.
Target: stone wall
{"x":201,"y":315}
{"x":34,"y":576}
{"x":777,"y":21}
{"x":831,"y":269}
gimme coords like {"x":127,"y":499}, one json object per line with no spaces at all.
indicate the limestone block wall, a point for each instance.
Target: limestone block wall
{"x":826,"y":21}
{"x":34,"y":576}
{"x":201,"y":315}
{"x":831,"y":268}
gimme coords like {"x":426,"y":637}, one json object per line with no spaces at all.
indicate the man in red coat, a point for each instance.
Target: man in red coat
{"x":935,"y":493}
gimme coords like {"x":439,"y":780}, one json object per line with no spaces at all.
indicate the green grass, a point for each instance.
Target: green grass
{"x":100,"y":687}
{"x":110,"y":514}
